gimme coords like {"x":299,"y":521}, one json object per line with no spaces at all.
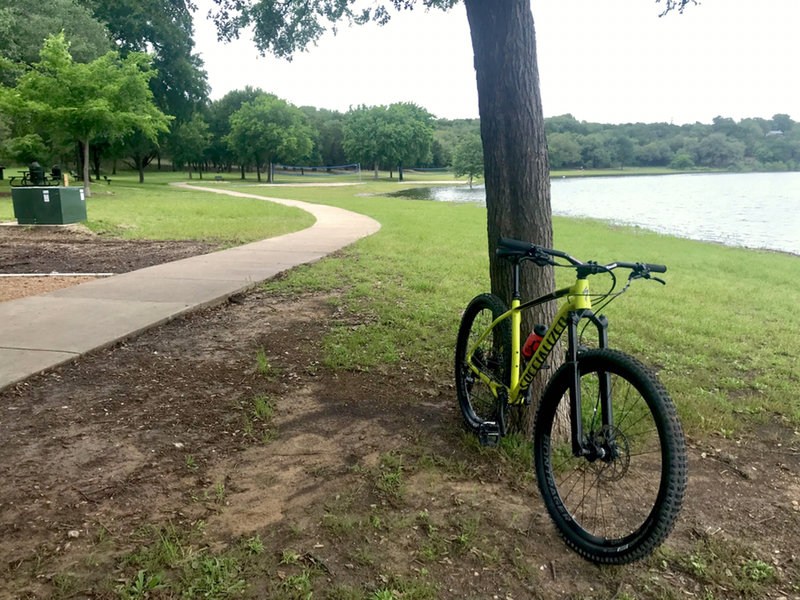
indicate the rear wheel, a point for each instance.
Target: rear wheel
{"x":618,"y":503}
{"x":492,"y":357}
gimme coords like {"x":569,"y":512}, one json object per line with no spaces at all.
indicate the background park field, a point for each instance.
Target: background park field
{"x":353,"y":355}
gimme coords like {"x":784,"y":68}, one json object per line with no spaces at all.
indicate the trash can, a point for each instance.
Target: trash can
{"x":48,"y":205}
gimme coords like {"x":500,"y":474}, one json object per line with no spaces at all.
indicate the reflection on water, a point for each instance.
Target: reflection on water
{"x":754,"y":210}
{"x":461,"y":193}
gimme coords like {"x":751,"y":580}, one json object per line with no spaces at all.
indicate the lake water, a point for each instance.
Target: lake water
{"x":753,"y":210}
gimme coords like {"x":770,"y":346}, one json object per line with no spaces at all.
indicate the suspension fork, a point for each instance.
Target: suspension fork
{"x":579,"y":446}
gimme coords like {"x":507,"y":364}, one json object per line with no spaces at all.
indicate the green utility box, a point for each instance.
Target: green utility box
{"x":48,"y":205}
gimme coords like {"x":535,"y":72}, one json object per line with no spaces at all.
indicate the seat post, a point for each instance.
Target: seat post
{"x":515,"y":294}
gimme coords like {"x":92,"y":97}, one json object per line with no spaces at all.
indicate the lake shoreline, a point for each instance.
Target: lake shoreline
{"x":758,"y":211}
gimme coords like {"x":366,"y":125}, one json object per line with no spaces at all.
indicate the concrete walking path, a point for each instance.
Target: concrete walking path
{"x":41,"y":332}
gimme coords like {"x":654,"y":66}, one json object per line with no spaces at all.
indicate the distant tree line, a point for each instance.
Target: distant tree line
{"x":748,"y":145}
{"x":164,"y":112}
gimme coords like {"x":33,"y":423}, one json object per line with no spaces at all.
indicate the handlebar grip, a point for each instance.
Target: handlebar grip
{"x":656,"y":268}
{"x":514,"y":245}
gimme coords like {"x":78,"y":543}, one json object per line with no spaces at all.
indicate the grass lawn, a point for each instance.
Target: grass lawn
{"x":721,"y":333}
{"x":158,"y":211}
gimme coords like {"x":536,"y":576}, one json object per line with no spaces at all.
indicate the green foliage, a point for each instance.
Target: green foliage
{"x":391,"y":135}
{"x":468,"y":157}
{"x":108,"y":97}
{"x":189,"y":141}
{"x":141,"y":586}
{"x":23,"y":27}
{"x":219,"y":121}
{"x":328,"y":133}
{"x":750,"y":144}
{"x":163,"y":28}
{"x":282,"y":28}
{"x":26,"y":148}
{"x":269,"y":130}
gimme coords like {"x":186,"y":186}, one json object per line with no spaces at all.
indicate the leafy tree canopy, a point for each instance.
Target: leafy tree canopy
{"x":468,"y":157}
{"x":163,"y":28}
{"x":24,"y":28}
{"x":107,"y":97}
{"x":389,"y":135}
{"x":270,"y":130}
{"x":282,"y":28}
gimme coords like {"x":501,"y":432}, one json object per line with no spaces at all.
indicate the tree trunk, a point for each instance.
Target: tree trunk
{"x":376,"y":170}
{"x":86,"y":191}
{"x":399,"y":171}
{"x":140,"y":167}
{"x":516,"y":165}
{"x":96,"y":163}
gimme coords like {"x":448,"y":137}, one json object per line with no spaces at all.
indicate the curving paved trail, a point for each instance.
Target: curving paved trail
{"x":41,"y":332}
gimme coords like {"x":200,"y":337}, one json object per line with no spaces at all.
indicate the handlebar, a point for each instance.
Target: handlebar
{"x":518,"y":250}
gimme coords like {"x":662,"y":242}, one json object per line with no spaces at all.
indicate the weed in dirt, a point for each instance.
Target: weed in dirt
{"x":364,"y":556}
{"x":219,"y":492}
{"x":64,"y":585}
{"x":289,"y":557}
{"x":141,"y":586}
{"x":166,"y":549}
{"x":297,"y":587}
{"x":344,"y":592}
{"x":191,"y":463}
{"x":263,"y":366}
{"x":263,"y":408}
{"x":212,"y":577}
{"x":719,"y":564}
{"x":466,"y":528}
{"x":411,"y":588}
{"x":254,"y":545}
{"x":390,"y":480}
{"x":758,"y":570}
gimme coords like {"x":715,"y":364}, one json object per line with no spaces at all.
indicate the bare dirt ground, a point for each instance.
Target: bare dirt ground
{"x":75,"y":249}
{"x":216,"y":457}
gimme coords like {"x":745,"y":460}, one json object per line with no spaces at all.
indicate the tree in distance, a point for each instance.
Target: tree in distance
{"x":388,"y":135}
{"x":468,"y":157}
{"x":269,"y":130}
{"x":107,"y":97}
{"x":189,"y":142}
{"x":219,"y":121}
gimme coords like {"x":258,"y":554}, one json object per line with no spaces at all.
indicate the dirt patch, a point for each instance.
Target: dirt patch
{"x":221,"y":436}
{"x":75,"y":249}
{"x":19,"y":287}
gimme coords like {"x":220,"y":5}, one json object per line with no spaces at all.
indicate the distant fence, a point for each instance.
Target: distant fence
{"x":315,"y":171}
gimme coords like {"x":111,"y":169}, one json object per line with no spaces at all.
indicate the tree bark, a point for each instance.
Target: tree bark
{"x":516,"y":165}
{"x":86,"y":191}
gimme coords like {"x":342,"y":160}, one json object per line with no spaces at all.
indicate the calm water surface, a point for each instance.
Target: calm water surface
{"x":753,"y":210}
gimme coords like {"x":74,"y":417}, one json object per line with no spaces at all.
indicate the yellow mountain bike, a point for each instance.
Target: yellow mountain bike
{"x":609,"y":450}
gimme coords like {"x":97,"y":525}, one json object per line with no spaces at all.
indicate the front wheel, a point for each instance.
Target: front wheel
{"x":492,"y":357}
{"x":619,"y":502}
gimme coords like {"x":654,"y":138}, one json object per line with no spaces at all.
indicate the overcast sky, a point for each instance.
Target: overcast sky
{"x":609,"y":61}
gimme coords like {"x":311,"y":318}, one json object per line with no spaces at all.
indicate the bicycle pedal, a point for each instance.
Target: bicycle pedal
{"x":489,"y":434}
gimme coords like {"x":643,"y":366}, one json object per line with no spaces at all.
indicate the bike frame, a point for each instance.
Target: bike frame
{"x":578,"y":306}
